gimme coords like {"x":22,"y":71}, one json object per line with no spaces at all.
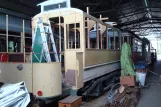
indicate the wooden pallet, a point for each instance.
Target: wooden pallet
{"x":71,"y":101}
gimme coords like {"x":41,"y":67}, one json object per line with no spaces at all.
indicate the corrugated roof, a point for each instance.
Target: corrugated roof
{"x":141,"y":16}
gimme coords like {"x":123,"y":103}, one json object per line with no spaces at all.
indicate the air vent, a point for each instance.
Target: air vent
{"x":55,"y":6}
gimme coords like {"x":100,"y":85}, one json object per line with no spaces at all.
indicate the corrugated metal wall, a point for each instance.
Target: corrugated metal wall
{"x":15,"y":23}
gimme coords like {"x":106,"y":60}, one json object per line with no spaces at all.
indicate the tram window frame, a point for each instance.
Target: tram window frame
{"x":96,"y":41}
{"x":90,"y":33}
{"x":111,"y":39}
{"x":117,"y":40}
{"x":120,"y":39}
{"x":93,"y":45}
{"x":102,"y":39}
{"x":105,"y":39}
{"x":76,"y":35}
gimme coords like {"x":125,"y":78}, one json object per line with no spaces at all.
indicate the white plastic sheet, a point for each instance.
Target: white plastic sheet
{"x":14,"y":95}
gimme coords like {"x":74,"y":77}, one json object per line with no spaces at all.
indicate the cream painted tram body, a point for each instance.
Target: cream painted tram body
{"x":89,"y":55}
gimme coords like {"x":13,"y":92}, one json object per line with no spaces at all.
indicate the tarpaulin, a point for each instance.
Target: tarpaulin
{"x":14,"y":95}
{"x":127,"y":65}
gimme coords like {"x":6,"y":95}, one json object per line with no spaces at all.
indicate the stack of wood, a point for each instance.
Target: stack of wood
{"x":128,"y":98}
{"x":71,"y":101}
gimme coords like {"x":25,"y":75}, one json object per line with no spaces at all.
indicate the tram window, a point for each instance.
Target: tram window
{"x":117,"y":40}
{"x":55,"y":28}
{"x":93,"y":37}
{"x":122,"y":39}
{"x":77,"y":35}
{"x":125,"y":39}
{"x":93,"y":41}
{"x":104,"y":40}
{"x":14,"y":44}
{"x":28,"y":43}
{"x":3,"y":44}
{"x":111,"y":39}
{"x":73,"y":36}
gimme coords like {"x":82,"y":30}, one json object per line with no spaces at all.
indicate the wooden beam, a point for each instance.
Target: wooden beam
{"x":107,"y":37}
{"x":7,"y":33}
{"x":105,"y":18}
{"x":97,"y":35}
{"x":101,"y":32}
{"x":114,"y":45}
{"x":88,"y":30}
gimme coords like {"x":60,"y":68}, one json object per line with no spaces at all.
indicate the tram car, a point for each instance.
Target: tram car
{"x":72,"y":53}
{"x":140,"y":46}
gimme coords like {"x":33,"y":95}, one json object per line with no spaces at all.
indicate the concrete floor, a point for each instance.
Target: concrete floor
{"x":98,"y":102}
{"x":151,"y":96}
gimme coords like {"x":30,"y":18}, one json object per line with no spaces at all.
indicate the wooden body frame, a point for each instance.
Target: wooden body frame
{"x":78,"y":59}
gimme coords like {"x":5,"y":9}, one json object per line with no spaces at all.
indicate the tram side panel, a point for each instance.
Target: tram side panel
{"x":10,"y":74}
{"x":99,"y":63}
{"x":47,"y":79}
{"x":41,"y":79}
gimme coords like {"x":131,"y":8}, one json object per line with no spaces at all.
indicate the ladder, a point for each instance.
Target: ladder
{"x":45,"y":31}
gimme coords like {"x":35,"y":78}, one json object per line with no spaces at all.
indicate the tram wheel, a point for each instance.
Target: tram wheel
{"x":39,"y":103}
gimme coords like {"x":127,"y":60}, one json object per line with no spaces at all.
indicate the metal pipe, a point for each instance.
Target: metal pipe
{"x":75,"y":33}
{"x":114,"y":42}
{"x":97,"y":35}
{"x":88,"y":35}
{"x":67,"y":36}
{"x":100,"y":32}
{"x":7,"y":32}
{"x":23,"y":37}
{"x":21,"y":42}
{"x":120,"y":39}
{"x":107,"y":37}
{"x":59,"y":34}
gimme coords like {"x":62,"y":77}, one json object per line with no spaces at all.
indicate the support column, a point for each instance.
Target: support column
{"x":23,"y":37}
{"x":120,"y":39}
{"x":21,"y":42}
{"x":100,"y":32}
{"x":114,"y":40}
{"x":97,"y":35}
{"x":59,"y":35}
{"x":7,"y":33}
{"x":107,"y":37}
{"x":88,"y":31}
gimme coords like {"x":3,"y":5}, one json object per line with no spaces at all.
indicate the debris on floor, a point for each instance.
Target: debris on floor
{"x":14,"y":95}
{"x":123,"y":97}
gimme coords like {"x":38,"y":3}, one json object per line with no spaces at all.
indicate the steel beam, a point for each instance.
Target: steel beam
{"x":146,"y":27}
